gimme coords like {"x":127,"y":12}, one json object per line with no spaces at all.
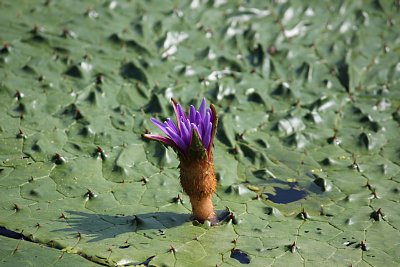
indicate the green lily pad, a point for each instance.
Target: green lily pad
{"x":306,"y":153}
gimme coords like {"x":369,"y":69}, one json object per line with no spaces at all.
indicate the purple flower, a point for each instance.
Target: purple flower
{"x":201,"y":122}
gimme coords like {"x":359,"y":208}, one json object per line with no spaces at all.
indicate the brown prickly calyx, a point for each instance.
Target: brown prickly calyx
{"x":199,"y":182}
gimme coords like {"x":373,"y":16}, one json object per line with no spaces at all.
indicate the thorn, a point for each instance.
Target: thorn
{"x":21,"y":135}
{"x":355,"y":165}
{"x":321,"y":210}
{"x":58,"y":159}
{"x":78,"y":115}
{"x":62,"y":216}
{"x":296,"y":103}
{"x":178,"y":199}
{"x":31,"y":179}
{"x":6,"y":49}
{"x":66,"y":33}
{"x":18,"y":95}
{"x":16,"y":207}
{"x":100,"y":152}
{"x":234,"y":150}
{"x":362,"y":245}
{"x":271,"y":50}
{"x":374,"y":194}
{"x":232,"y":217}
{"x":38,"y":225}
{"x":143,"y":180}
{"x":99,"y":79}
{"x":79,"y":236}
{"x":377,"y":215}
{"x":161,"y":232}
{"x":89,"y":194}
{"x":35,"y":29}
{"x":172,"y":250}
{"x":258,"y":197}
{"x":333,"y":139}
{"x":303,"y":215}
{"x":272,"y":110}
{"x":293,"y":247}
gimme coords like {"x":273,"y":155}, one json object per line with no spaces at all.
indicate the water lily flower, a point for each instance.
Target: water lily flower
{"x":192,"y":137}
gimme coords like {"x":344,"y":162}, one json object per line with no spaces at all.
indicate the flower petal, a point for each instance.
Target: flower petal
{"x":161,"y":139}
{"x":194,"y":126}
{"x":171,"y":124}
{"x":205,"y":122}
{"x":174,"y":105}
{"x":192,"y":113}
{"x":160,"y":125}
{"x":185,"y":134}
{"x":180,"y":134}
{"x":197,"y":120}
{"x":207,"y":135}
{"x":177,"y":139}
{"x":202,"y":108}
{"x":181,"y":113}
{"x":190,"y":129}
{"x":214,"y":121}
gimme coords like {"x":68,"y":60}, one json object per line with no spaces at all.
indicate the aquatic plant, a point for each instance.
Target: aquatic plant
{"x":192,"y":137}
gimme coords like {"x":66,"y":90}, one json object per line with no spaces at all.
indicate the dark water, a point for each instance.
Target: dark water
{"x":240,"y":256}
{"x":284,"y":196}
{"x":7,"y":233}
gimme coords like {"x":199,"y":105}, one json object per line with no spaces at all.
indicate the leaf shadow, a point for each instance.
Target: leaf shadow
{"x":102,"y":226}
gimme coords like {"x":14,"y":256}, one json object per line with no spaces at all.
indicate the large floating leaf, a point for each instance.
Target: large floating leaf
{"x":306,"y":154}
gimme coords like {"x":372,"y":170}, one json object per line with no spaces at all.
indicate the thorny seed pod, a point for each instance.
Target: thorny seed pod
{"x":192,"y":137}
